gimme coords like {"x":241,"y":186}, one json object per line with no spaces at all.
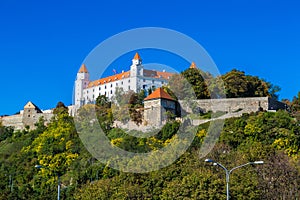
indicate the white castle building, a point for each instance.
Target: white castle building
{"x":136,"y":79}
{"x":155,"y":105}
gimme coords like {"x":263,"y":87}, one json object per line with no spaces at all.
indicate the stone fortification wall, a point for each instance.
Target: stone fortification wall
{"x":245,"y":105}
{"x":19,"y":122}
{"x":14,"y":120}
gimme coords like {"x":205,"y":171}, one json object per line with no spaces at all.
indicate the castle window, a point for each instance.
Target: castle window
{"x":93,"y":90}
{"x":129,"y":81}
{"x":99,"y":88}
{"x":144,"y":80}
{"x":122,"y":83}
{"x":116,"y":84}
{"x":111,"y":85}
{"x":105,"y":87}
{"x":152,"y":81}
{"x":128,"y":87}
{"x":162,"y":82}
{"x":111,"y":92}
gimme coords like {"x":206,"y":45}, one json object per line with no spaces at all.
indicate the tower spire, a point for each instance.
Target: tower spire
{"x":137,"y":56}
{"x":193,"y":66}
{"x":83,"y":69}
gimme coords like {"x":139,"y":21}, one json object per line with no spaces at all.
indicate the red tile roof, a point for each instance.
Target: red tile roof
{"x":137,"y":56}
{"x":83,"y":69}
{"x":109,"y":79}
{"x":159,"y":93}
{"x":193,"y":66}
{"x":147,"y":73}
{"x":157,"y":74}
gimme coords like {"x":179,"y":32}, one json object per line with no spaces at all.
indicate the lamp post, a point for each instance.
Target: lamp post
{"x":58,"y":180}
{"x":228,"y":172}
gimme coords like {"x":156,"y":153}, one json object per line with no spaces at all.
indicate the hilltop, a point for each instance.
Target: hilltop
{"x":273,"y":137}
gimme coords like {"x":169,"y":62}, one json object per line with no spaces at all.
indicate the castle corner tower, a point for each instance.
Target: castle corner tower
{"x":136,"y":71}
{"x":81,"y":83}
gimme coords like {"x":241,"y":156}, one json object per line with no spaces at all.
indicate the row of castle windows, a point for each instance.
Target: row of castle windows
{"x":144,"y":80}
{"x":105,"y":93}
{"x":111,"y":85}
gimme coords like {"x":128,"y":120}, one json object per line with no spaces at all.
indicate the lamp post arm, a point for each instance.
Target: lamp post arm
{"x":239,"y":167}
{"x":222,"y":166}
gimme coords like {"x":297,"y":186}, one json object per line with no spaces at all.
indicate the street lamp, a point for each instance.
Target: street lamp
{"x":58,"y":180}
{"x":229,"y":171}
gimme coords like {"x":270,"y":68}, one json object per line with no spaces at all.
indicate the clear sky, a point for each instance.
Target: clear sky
{"x":43,"y":43}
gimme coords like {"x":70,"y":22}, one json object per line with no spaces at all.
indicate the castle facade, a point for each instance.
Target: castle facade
{"x":136,"y":79}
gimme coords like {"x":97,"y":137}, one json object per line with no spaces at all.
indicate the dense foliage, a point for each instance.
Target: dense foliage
{"x":233,"y":84}
{"x":272,"y":137}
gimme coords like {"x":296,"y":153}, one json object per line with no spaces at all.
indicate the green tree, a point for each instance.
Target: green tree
{"x":104,"y":113}
{"x":53,"y":147}
{"x":5,"y":132}
{"x":60,"y":108}
{"x":237,"y":84}
{"x":180,"y":87}
{"x":195,"y":77}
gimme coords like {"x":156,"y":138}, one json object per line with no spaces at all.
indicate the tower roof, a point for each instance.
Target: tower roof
{"x":193,"y":66}
{"x":32,"y":105}
{"x":83,"y":69}
{"x":137,"y":56}
{"x":159,"y":93}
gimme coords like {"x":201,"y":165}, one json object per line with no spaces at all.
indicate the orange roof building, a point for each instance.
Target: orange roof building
{"x":158,"y":106}
{"x":135,"y":79}
{"x":159,"y":93}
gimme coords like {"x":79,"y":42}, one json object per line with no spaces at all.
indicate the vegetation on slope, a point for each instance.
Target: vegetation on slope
{"x":271,"y":137}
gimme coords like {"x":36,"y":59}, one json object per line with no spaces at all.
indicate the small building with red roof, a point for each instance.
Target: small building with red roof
{"x":158,"y":106}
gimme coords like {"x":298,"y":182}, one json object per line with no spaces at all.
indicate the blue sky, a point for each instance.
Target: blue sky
{"x":43,"y":43}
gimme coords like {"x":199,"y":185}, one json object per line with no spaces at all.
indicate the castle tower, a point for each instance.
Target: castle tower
{"x":82,"y":81}
{"x":156,"y":106}
{"x":136,"y":71}
{"x":31,"y":114}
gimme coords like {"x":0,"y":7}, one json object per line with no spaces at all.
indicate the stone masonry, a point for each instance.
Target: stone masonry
{"x":230,"y":105}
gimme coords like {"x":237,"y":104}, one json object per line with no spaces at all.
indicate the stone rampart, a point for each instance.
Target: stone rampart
{"x":14,"y":120}
{"x":231,"y":105}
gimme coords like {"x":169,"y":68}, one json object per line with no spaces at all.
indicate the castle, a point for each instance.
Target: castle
{"x":157,"y":105}
{"x":136,"y":79}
